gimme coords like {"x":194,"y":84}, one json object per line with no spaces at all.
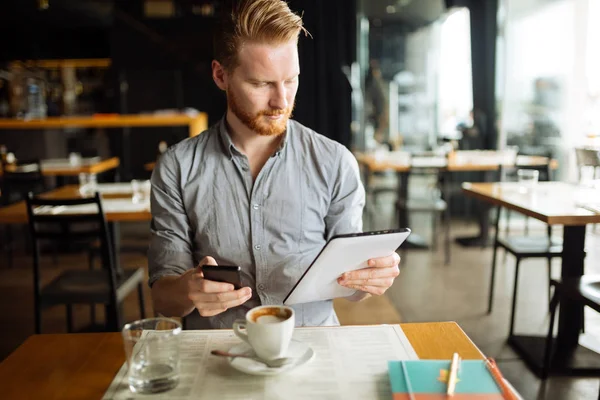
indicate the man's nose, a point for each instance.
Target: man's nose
{"x":278,"y":98}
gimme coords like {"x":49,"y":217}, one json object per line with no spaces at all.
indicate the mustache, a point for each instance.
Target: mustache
{"x":272,"y":113}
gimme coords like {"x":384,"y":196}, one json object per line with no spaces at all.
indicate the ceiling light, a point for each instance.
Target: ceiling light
{"x":390,"y":9}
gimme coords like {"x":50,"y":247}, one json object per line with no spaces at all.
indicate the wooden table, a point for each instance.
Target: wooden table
{"x":452,"y":164}
{"x":17,"y":213}
{"x":96,"y":167}
{"x":150,"y":166}
{"x":195,"y":124}
{"x":82,"y":366}
{"x":554,"y":203}
{"x":459,"y":161}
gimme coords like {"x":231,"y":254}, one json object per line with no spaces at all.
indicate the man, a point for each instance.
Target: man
{"x":257,"y":190}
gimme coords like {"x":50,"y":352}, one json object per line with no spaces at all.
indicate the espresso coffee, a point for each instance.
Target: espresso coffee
{"x":270,"y":315}
{"x":267,"y":329}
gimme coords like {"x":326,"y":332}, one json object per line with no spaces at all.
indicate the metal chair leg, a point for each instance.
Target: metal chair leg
{"x":447,"y":234}
{"x":492,"y":280}
{"x":514,"y":299}
{"x":92,"y":305}
{"x":549,"y":337}
{"x":141,"y":299}
{"x":434,"y":224}
{"x":494,"y":259}
{"x":549,"y":280}
{"x":112,"y":318}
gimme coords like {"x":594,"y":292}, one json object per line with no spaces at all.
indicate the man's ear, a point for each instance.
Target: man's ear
{"x":219,"y":75}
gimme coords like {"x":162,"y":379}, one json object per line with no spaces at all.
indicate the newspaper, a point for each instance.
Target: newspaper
{"x":350,"y":363}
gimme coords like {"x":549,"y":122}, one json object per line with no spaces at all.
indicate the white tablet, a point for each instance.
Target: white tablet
{"x":342,"y":254}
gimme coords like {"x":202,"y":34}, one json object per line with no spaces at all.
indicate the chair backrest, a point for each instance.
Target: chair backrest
{"x":20,"y":179}
{"x":587,"y":158}
{"x":70,"y":220}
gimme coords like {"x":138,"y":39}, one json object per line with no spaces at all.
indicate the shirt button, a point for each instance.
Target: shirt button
{"x":257,"y":247}
{"x":261,"y":287}
{"x":255,"y":206}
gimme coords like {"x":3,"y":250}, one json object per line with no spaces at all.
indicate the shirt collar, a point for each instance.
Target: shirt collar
{"x":228,"y":145}
{"x":230,"y":148}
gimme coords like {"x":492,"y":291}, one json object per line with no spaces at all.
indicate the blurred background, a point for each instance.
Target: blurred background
{"x":102,"y":87}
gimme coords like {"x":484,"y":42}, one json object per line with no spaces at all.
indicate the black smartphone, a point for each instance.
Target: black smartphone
{"x":223,"y":273}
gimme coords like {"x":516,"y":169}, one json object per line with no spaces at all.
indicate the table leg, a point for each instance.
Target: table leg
{"x":482,"y":239}
{"x":115,"y":238}
{"x":414,"y":241}
{"x":570,"y":358}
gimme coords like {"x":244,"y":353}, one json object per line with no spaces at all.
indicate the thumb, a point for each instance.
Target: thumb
{"x":205,"y":261}
{"x":208,"y":260}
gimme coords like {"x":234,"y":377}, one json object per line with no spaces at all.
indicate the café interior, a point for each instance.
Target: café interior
{"x":476,"y":124}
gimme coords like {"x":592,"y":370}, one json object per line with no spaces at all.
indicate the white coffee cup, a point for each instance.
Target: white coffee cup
{"x":267,"y":329}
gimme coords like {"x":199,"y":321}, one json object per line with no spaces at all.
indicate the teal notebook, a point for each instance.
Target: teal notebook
{"x":427,"y":380}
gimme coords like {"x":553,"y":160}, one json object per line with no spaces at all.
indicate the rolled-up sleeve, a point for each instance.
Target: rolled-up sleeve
{"x":348,"y":198}
{"x":170,"y":251}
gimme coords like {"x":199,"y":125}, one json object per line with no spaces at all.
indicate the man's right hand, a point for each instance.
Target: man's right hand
{"x":210,"y":297}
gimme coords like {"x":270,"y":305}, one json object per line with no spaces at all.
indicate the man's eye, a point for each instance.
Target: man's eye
{"x":260,"y":84}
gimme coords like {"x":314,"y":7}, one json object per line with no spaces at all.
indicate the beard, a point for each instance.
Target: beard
{"x":258,"y":122}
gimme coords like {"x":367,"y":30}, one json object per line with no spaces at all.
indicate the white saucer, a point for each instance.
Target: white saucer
{"x":303,"y":352}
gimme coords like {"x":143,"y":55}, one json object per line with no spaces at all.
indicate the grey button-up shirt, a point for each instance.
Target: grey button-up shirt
{"x":205,"y":203}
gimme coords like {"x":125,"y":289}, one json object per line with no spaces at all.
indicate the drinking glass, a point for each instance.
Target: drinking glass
{"x":152,"y":350}
{"x":527,"y":179}
{"x":75,"y":159}
{"x":84,"y":184}
{"x":88,"y":184}
{"x":140,"y":190}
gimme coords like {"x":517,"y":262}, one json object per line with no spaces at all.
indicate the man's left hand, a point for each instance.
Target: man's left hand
{"x":375,"y":279}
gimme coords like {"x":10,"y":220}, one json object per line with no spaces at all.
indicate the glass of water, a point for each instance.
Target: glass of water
{"x":152,"y":350}
{"x":88,"y":184}
{"x":527,"y":179}
{"x":140,"y":191}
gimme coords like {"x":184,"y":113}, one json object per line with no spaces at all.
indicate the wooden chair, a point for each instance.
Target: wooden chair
{"x":108,"y":286}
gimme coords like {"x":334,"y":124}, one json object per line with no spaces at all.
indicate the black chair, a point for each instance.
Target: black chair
{"x":523,"y":247}
{"x":545,"y":174}
{"x":588,"y":158}
{"x":433,"y":202}
{"x":584,"y":290}
{"x":17,"y":181}
{"x":21,"y":178}
{"x":108,"y":285}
